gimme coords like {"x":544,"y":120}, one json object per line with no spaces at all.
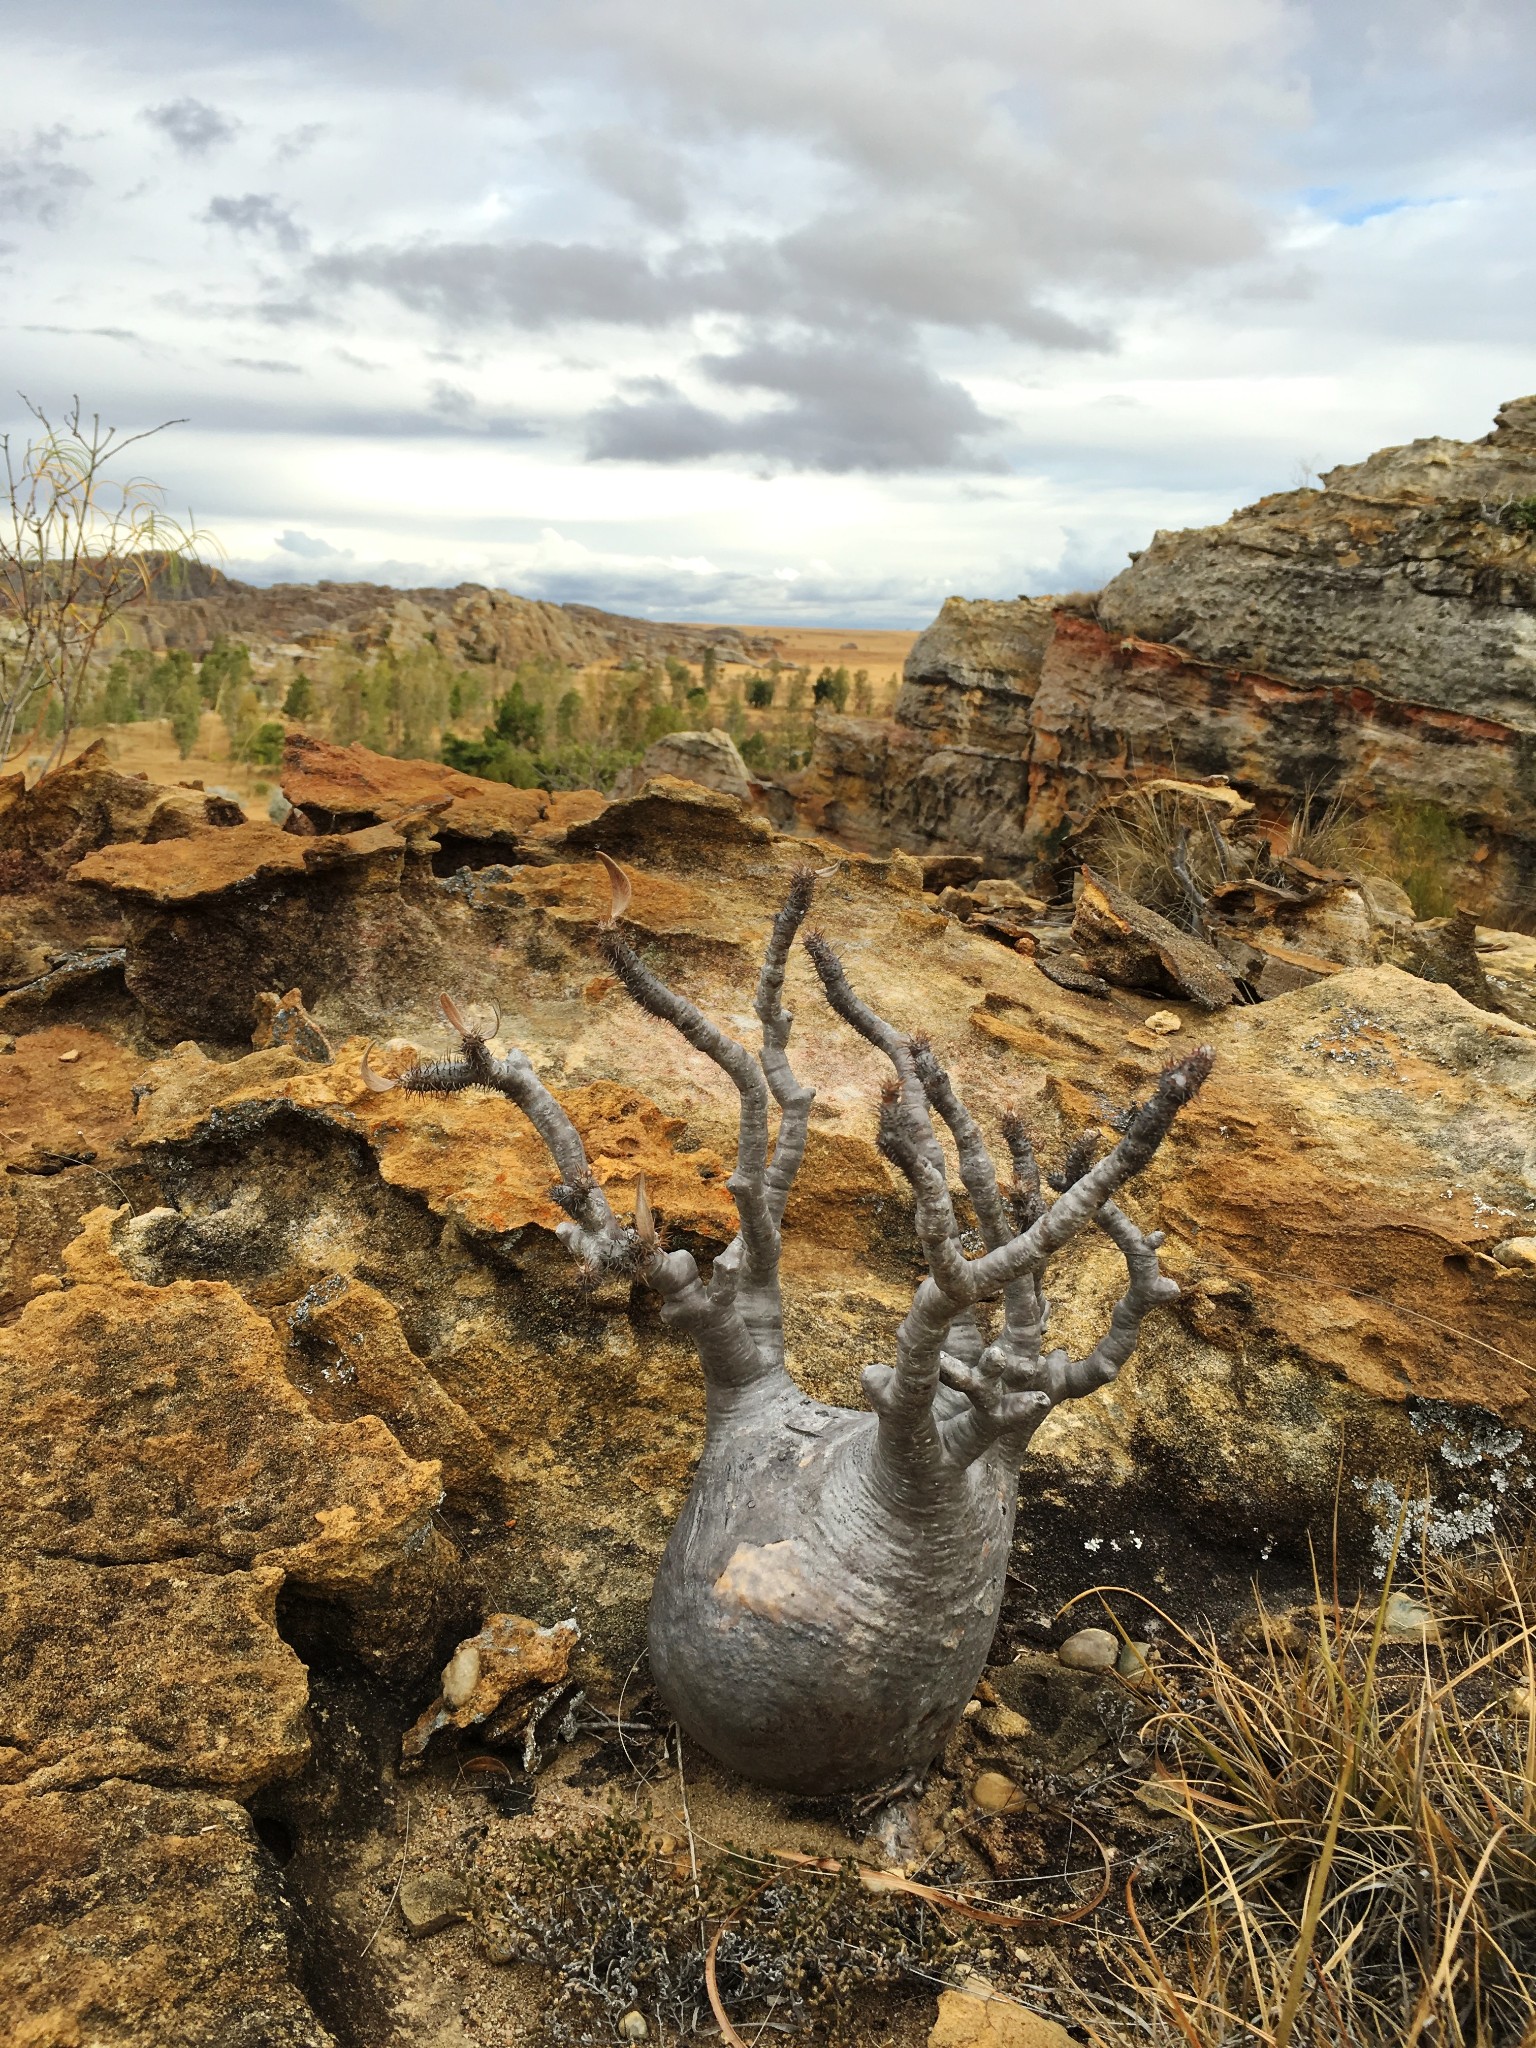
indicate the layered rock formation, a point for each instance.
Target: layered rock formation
{"x":312,"y":1389}
{"x":1375,"y":638}
{"x":469,"y":623}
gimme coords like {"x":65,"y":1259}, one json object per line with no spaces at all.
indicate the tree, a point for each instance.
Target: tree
{"x":79,"y":542}
{"x":760,"y":689}
{"x":300,"y":700}
{"x":829,"y":1595}
{"x":709,"y":667}
{"x":831,"y":687}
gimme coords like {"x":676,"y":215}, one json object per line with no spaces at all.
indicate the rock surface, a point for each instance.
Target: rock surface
{"x":1375,"y":638}
{"x":301,"y":1311}
{"x":710,"y":758}
{"x":140,"y":1917}
{"x":468,"y":623}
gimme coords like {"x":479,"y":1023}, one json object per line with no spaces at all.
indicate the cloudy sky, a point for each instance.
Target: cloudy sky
{"x":761,"y":309}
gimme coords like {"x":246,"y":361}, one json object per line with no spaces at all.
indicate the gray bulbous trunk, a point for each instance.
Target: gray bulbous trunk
{"x":829,"y":1595}
{"x":810,"y":1627}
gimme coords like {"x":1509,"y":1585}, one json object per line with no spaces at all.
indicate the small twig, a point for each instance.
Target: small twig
{"x":405,"y":1850}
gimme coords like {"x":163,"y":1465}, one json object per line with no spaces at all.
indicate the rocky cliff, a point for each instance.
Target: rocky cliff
{"x":1374,"y":638}
{"x":469,"y":623}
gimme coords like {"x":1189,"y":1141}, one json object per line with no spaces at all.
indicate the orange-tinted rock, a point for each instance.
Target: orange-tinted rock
{"x":217,"y":921}
{"x":87,"y":803}
{"x":1135,"y":948}
{"x":142,"y":1424}
{"x":142,"y":1918}
{"x":677,"y":825}
{"x":337,"y":788}
{"x":473,"y":1156}
{"x":186,"y":871}
{"x":56,"y":1109}
{"x":166,"y":1672}
{"x":357,"y":1362}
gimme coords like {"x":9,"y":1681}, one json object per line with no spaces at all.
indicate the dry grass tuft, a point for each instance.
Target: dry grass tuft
{"x":1362,"y":1814}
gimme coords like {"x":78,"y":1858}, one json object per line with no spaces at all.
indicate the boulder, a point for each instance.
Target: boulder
{"x":710,"y":758}
{"x":338,"y":789}
{"x":86,"y":803}
{"x":215,"y":922}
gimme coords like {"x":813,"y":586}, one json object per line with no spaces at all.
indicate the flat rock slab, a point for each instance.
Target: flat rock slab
{"x":132,"y":1917}
{"x":161,"y":1672}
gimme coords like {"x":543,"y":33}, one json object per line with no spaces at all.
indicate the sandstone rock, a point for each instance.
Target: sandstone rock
{"x":339,"y":789}
{"x":165,"y":1672}
{"x":1090,"y":1649}
{"x":86,"y":803}
{"x":143,"y":1917}
{"x":431,"y":1900}
{"x":969,"y":2019}
{"x":283,"y":1020}
{"x":508,"y":1659}
{"x":1135,"y":948}
{"x":1516,"y":1252}
{"x":471,"y":1157}
{"x":1376,"y":632}
{"x":1394,"y":575}
{"x":156,"y":1424}
{"x":215,"y":921}
{"x":467,"y":623}
{"x":710,"y":758}
{"x":670,"y":823}
{"x":360,"y":1364}
{"x":993,"y":1792}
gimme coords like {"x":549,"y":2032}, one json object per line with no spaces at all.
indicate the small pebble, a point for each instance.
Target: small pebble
{"x":1164,"y":1023}
{"x":7,"y":1043}
{"x":1005,"y":1724}
{"x":67,"y":1059}
{"x":995,"y":1793}
{"x":495,"y":1942}
{"x":1091,"y":1649}
{"x":1516,"y":1251}
{"x":1410,"y":1621}
{"x":633,"y":2028}
{"x":1132,"y":1662}
{"x":461,"y":1674}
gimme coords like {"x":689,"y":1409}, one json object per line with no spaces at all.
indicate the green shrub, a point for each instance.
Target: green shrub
{"x":832,"y":687}
{"x":1424,"y":848}
{"x":760,"y":689}
{"x":225,"y":667}
{"x":1519,"y":515}
{"x":265,"y":746}
{"x":300,"y":700}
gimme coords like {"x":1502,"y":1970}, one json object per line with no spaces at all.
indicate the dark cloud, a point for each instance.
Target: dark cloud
{"x":634,"y":165}
{"x":840,"y":408}
{"x":523,"y":284}
{"x":258,"y":213}
{"x":35,"y":185}
{"x":192,"y":125}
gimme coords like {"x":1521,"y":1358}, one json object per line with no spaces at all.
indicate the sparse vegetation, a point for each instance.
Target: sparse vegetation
{"x":79,"y":541}
{"x":1362,"y":1815}
{"x":1421,"y":845}
{"x":1519,"y":515}
{"x":625,"y":1926}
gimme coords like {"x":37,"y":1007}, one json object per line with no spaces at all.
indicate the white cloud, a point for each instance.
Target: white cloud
{"x":854,"y":303}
